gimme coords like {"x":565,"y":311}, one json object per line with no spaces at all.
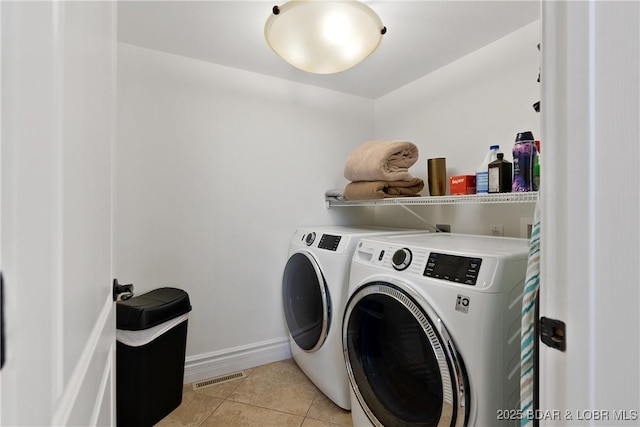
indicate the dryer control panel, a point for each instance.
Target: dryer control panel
{"x":334,"y":243}
{"x":329,"y":242}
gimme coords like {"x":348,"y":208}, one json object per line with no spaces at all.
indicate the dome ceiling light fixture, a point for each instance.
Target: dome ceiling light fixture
{"x":323,"y":36}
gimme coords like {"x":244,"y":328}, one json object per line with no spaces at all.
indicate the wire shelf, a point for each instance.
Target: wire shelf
{"x":466,"y":199}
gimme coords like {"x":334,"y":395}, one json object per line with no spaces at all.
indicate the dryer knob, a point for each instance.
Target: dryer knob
{"x":310,"y":238}
{"x":401,"y":259}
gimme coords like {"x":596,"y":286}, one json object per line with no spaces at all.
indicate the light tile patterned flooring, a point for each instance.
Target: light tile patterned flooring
{"x":274,"y":395}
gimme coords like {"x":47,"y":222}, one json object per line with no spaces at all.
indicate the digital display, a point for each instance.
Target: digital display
{"x":453,"y":268}
{"x":329,"y":242}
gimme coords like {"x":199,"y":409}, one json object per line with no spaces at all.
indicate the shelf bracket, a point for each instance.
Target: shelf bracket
{"x":434,"y":228}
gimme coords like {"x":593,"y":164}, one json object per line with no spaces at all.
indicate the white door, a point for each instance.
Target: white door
{"x":590,"y":211}
{"x":58,"y":105}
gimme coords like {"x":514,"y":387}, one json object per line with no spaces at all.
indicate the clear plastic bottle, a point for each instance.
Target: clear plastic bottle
{"x":524,"y":154}
{"x":482,"y":174}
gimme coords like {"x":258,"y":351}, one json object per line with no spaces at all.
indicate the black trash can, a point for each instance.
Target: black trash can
{"x":150,"y":353}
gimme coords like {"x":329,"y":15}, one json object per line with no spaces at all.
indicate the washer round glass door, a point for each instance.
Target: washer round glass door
{"x":307,"y":308}
{"x":401,"y":362}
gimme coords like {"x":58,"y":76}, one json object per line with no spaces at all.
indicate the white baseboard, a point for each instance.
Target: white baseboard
{"x":222,"y":362}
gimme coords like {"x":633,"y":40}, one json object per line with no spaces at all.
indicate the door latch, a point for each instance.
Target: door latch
{"x":123,"y":291}
{"x":553,"y":333}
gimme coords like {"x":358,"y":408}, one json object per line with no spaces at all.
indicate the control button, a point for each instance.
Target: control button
{"x":428,"y":271}
{"x":401,"y":259}
{"x":381,"y":255}
{"x":311,"y":237}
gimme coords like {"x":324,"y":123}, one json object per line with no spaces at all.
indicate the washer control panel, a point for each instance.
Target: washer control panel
{"x":478,"y":263}
{"x":453,"y":268}
{"x":428,"y":263}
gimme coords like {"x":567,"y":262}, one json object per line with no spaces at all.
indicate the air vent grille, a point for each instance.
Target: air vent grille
{"x":218,"y":380}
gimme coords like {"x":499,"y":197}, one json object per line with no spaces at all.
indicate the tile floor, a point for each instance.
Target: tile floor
{"x":277,"y":394}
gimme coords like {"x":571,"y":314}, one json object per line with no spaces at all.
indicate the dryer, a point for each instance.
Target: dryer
{"x":314,"y":293}
{"x":431,"y":330}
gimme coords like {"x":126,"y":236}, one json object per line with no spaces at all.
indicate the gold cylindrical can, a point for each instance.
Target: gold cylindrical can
{"x":437,"y":176}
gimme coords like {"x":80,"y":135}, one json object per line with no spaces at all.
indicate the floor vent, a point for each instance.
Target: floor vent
{"x":218,"y":380}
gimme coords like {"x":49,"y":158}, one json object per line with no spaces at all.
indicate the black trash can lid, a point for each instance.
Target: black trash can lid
{"x":151,"y":309}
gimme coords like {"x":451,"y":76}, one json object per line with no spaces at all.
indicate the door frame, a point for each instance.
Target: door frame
{"x":58,"y":129}
{"x":590,"y":241}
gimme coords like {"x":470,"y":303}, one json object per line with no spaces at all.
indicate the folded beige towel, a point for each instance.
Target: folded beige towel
{"x":381,"y":161}
{"x":368,"y":190}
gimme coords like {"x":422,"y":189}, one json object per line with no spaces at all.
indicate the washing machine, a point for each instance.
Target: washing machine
{"x":431,"y":330}
{"x":314,"y":293}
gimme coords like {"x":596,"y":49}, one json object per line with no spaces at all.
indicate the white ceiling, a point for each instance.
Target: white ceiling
{"x":422,"y":36}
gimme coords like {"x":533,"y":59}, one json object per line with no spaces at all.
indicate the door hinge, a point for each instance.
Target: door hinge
{"x":553,"y":333}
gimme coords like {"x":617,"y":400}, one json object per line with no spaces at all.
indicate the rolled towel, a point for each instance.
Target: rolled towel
{"x":368,"y":190}
{"x":381,"y":161}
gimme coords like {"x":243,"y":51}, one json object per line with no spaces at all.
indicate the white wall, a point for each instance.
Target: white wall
{"x":459,"y":110}
{"x":215,"y":168}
